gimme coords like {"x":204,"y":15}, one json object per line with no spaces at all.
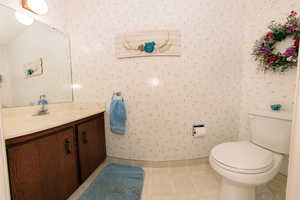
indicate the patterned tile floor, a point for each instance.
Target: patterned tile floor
{"x":181,"y":180}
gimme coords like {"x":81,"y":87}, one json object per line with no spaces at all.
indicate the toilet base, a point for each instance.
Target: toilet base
{"x":235,"y":191}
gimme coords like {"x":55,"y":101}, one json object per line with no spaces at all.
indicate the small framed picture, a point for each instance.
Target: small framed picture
{"x":34,"y":68}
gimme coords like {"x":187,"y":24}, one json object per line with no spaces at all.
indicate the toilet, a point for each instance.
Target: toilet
{"x":246,"y":164}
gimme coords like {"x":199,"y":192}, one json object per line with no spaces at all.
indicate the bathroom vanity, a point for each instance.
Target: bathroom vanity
{"x":51,"y":162}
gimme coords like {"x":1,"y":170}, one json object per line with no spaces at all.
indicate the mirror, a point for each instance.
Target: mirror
{"x":34,"y":61}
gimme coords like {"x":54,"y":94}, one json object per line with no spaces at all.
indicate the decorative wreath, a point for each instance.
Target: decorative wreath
{"x":264,"y":49}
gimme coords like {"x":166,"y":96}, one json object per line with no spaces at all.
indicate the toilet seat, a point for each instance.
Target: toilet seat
{"x":242,"y":157}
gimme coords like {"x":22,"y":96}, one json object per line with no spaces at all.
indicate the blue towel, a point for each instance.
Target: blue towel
{"x":118,"y":116}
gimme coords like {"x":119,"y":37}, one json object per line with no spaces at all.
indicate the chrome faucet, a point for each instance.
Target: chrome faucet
{"x":42,"y":101}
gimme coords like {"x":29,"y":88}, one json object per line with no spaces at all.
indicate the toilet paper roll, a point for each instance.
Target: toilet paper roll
{"x":199,"y":131}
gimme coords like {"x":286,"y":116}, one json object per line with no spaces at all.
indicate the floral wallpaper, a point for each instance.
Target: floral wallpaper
{"x":213,"y":82}
{"x":260,"y":90}
{"x":164,"y":96}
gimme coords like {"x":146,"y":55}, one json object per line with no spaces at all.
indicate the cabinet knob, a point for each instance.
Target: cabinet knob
{"x":84,"y":138}
{"x":67,"y":146}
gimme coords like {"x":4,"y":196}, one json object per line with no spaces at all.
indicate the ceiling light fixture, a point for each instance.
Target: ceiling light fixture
{"x":24,"y":19}
{"x":39,"y":7}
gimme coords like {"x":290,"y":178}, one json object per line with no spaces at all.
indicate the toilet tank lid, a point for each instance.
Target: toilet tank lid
{"x":284,"y":115}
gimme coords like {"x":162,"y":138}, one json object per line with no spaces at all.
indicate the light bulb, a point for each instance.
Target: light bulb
{"x":24,"y":19}
{"x":38,"y":6}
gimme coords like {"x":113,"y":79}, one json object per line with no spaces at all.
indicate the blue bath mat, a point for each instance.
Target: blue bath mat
{"x":116,"y":182}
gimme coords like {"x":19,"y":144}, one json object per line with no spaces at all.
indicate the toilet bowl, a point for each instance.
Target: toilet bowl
{"x":244,"y":165}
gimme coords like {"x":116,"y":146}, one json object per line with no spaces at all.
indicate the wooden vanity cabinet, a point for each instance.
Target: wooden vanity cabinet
{"x":51,"y":165}
{"x":91,"y":143}
{"x":44,"y":168}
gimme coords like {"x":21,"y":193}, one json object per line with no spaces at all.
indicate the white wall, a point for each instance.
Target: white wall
{"x":5,"y":72}
{"x":4,"y":89}
{"x":294,"y":164}
{"x":4,"y":182}
{"x":201,"y":85}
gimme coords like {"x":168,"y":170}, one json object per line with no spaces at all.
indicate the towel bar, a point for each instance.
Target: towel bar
{"x":117,"y":94}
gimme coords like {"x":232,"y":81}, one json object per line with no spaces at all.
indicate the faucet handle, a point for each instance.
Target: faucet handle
{"x":43,"y":99}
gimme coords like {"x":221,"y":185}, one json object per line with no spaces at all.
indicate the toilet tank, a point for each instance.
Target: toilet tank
{"x":271,"y":130}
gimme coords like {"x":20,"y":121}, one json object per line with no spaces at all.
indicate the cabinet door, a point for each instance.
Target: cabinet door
{"x":92,"y":149}
{"x":44,"y":168}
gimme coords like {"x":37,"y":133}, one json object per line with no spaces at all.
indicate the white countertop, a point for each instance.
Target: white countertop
{"x":20,"y":121}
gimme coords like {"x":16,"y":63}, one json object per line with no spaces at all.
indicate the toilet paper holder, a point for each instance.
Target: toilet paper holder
{"x":198,"y":126}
